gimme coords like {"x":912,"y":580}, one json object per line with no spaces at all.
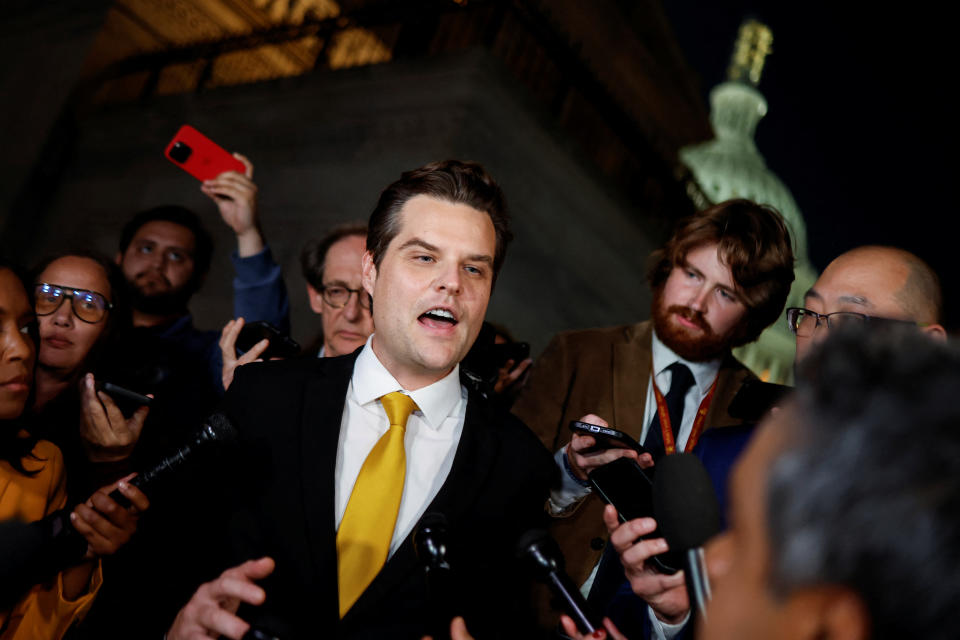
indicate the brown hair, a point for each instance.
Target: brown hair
{"x":313,"y":258}
{"x":753,"y":241}
{"x":451,"y":180}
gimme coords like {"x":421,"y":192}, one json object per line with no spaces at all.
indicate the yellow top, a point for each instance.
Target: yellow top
{"x":43,"y":612}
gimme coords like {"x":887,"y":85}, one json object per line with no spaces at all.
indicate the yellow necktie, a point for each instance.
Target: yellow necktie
{"x":366,"y":529}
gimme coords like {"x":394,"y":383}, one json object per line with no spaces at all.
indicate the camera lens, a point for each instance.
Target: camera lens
{"x":179,"y":152}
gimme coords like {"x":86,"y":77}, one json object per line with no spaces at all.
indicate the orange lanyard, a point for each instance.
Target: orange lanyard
{"x":669,"y":446}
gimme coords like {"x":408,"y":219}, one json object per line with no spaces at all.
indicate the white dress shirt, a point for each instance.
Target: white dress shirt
{"x":431,"y":438}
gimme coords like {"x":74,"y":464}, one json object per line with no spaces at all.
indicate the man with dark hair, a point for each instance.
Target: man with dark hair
{"x":356,"y":449}
{"x":870,"y":285}
{"x":165,"y":254}
{"x":331,"y":267}
{"x":667,"y":383}
{"x":846,"y":505}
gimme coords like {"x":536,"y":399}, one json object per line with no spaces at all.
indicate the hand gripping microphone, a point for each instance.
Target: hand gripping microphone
{"x":544,"y":558}
{"x":686,"y":510}
{"x":430,"y":542}
{"x":216,"y":431}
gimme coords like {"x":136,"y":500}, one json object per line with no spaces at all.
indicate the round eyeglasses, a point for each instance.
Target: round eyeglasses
{"x":338,"y":297}
{"x":804,"y":322}
{"x":88,"y":306}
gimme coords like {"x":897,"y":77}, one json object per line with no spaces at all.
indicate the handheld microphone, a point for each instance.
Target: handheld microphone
{"x":430,"y":543}
{"x":685,"y":507}
{"x":216,"y":430}
{"x":544,"y":558}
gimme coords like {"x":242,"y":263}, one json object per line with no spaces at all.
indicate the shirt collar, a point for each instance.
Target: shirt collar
{"x":371,"y":381}
{"x":704,"y":373}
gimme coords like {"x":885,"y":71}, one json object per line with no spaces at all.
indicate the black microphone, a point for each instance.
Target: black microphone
{"x":216,"y":430}
{"x":686,"y":510}
{"x":544,"y":558}
{"x":430,"y":541}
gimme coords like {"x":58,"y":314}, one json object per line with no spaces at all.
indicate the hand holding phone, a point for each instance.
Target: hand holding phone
{"x":584,"y":455}
{"x":606,"y":438}
{"x":108,"y":434}
{"x":242,"y":344}
{"x":629,"y":488}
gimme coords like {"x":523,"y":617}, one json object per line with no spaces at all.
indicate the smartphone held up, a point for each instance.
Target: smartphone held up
{"x":200,"y":156}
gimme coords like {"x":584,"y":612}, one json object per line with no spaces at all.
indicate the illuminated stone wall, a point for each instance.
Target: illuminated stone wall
{"x":325,"y":144}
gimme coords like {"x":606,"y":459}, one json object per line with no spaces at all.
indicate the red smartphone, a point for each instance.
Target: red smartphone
{"x":200,"y":156}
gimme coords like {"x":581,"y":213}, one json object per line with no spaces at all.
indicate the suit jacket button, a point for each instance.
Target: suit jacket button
{"x":597,"y":544}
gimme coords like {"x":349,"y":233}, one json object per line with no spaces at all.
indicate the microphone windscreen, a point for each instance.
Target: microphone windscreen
{"x":529,"y":538}
{"x":430,"y":539}
{"x":540,"y":552}
{"x":684,"y":503}
{"x":433,"y":519}
{"x":218,"y":428}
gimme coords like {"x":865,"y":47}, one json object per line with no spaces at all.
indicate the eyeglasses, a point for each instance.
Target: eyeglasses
{"x":804,"y":322}
{"x":88,"y":306}
{"x":338,"y":297}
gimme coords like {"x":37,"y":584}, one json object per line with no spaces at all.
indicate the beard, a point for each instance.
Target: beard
{"x":693,"y":347}
{"x":165,"y":303}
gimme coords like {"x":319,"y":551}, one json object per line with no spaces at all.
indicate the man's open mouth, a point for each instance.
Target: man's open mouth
{"x":438,"y":317}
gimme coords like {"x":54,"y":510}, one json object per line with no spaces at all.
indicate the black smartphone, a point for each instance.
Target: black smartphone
{"x":629,"y":488}
{"x":281,"y":345}
{"x":606,"y":437}
{"x":126,"y":400}
{"x":755,"y":398}
{"x":516,"y":351}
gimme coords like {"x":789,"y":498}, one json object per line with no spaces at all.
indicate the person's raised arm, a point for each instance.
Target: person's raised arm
{"x":259,"y":292}
{"x":235,"y":195}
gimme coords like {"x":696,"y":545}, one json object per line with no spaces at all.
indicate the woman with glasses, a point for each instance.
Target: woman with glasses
{"x":77,"y":307}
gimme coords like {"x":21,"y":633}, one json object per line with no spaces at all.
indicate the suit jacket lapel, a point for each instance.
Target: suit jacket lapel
{"x":729,"y":379}
{"x":632,"y":360}
{"x":323,"y":398}
{"x":468,"y":475}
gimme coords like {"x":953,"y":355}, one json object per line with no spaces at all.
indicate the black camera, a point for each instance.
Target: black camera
{"x":180,"y":152}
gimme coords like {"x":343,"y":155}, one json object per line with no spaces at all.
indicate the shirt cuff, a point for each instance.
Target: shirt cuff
{"x":663,"y":630}
{"x":571,"y":490}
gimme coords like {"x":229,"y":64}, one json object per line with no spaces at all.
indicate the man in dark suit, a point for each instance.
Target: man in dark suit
{"x":347,"y":454}
{"x":718,"y":282}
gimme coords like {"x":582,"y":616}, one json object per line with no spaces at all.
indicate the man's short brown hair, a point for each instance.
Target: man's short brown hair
{"x":753,"y":241}
{"x":451,"y":180}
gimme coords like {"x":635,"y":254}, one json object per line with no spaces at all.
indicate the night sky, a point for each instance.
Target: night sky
{"x":859,"y":124}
